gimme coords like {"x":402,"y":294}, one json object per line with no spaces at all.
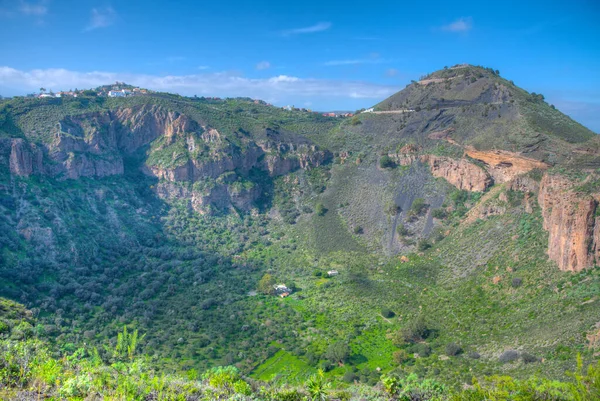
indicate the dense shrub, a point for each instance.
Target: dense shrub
{"x":386,"y":162}
{"x":439,"y":213}
{"x":387,"y":313}
{"x":402,"y":230}
{"x":423,"y":349}
{"x":509,"y":356}
{"x":528,"y":358}
{"x":337,"y":352}
{"x":400,"y":356}
{"x":418,"y":206}
{"x":416,"y":330}
{"x":320,"y":209}
{"x":349,"y":377}
{"x":453,"y":349}
{"x":474,"y":355}
{"x":516,"y":282}
{"x":423,"y":245}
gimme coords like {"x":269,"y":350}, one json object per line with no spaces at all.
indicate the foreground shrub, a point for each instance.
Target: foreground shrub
{"x":317,"y":386}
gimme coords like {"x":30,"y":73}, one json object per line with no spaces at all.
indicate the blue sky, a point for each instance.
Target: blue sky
{"x":318,"y":54}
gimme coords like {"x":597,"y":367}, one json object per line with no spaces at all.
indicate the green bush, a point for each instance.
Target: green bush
{"x":439,"y":213}
{"x":509,"y":356}
{"x":416,"y":330}
{"x":453,"y":349}
{"x":402,"y":230}
{"x":386,"y":162}
{"x":423,"y":245}
{"x":349,"y":377}
{"x":387,"y":313}
{"x":338,"y":352}
{"x":418,"y":206}
{"x":320,"y":209}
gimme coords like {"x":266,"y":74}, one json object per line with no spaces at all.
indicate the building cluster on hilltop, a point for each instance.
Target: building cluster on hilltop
{"x":119,"y":89}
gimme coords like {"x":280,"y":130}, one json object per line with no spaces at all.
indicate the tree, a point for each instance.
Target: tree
{"x":265,"y":285}
{"x":337,"y":352}
{"x":416,"y":330}
{"x":320,"y":209}
{"x":386,"y":162}
{"x":42,"y":90}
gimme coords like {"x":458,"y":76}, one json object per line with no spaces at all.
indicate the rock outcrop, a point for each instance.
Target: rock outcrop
{"x":459,"y":172}
{"x":25,"y":158}
{"x":504,"y":166}
{"x":571,"y":219}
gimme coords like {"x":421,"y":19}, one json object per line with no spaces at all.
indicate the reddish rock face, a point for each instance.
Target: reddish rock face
{"x":571,"y":221}
{"x":504,"y":166}
{"x":459,"y":172}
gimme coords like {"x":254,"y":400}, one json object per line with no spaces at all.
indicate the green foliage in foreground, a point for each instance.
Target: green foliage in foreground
{"x":28,"y":370}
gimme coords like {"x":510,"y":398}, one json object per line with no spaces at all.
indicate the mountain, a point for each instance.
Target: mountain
{"x":459,"y":214}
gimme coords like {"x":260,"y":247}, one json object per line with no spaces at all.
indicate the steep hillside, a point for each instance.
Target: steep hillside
{"x":455,"y":223}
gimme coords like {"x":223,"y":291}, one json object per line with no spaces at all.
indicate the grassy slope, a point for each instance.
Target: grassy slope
{"x":201,"y":298}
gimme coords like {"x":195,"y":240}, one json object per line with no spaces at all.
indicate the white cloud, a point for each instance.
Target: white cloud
{"x":221,"y":84}
{"x":35,"y":9}
{"x":463,"y":24}
{"x":13,"y":8}
{"x":321,"y":26}
{"x":101,"y":18}
{"x":263,"y":65}
{"x":203,"y":67}
{"x":392,"y":72}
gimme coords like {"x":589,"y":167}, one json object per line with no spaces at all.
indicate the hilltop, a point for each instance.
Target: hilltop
{"x":459,"y":214}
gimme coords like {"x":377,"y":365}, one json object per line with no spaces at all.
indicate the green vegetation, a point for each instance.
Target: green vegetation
{"x":453,"y":309}
{"x":28,"y":369}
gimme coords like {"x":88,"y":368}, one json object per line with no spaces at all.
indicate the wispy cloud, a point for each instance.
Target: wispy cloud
{"x":263,"y":65}
{"x":461,"y":25}
{"x":283,"y":87}
{"x":13,"y":8}
{"x":35,"y":9}
{"x":391,"y":72}
{"x":319,"y":27}
{"x":203,"y":67}
{"x":101,"y":18}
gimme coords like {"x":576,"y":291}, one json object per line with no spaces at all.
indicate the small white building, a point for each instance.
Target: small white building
{"x":332,"y":273}
{"x":369,"y":110}
{"x":115,"y":94}
{"x":281,"y":288}
{"x":120,"y":93}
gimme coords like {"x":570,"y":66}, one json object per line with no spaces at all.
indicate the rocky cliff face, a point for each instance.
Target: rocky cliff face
{"x":225,"y":169}
{"x":95,"y":144}
{"x":572,"y":222}
{"x":459,"y":172}
{"x":504,"y":166}
{"x":25,"y":158}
